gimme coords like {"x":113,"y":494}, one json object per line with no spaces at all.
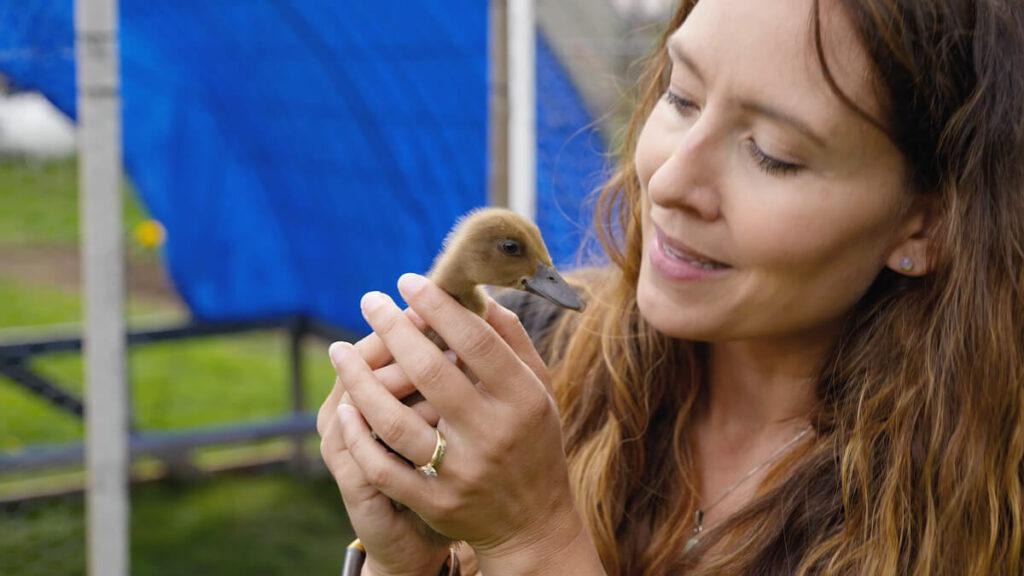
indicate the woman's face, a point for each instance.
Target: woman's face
{"x":769,"y":206}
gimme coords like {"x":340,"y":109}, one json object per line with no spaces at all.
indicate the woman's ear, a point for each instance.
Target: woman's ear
{"x":911,"y":254}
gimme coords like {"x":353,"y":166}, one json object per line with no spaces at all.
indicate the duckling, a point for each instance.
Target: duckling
{"x":488,"y":246}
{"x":494,"y":247}
{"x":497,"y":247}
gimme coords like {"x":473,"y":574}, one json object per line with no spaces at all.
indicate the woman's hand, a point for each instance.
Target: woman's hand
{"x":394,"y":539}
{"x":502,"y":485}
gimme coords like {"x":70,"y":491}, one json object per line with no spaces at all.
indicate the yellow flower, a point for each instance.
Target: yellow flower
{"x":150,"y":233}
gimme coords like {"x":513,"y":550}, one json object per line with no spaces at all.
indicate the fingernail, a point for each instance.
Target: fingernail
{"x":411,"y":283}
{"x":345,"y":412}
{"x":373,"y":300}
{"x":337,"y":352}
{"x":451,"y":356}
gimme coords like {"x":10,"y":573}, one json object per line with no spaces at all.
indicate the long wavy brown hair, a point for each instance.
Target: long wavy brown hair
{"x":918,"y":463}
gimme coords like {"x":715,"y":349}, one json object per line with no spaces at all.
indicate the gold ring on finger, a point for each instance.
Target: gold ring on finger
{"x":430,"y":468}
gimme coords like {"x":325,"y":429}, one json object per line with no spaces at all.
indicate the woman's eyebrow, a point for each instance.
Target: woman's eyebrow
{"x":678,"y":55}
{"x":785,"y":118}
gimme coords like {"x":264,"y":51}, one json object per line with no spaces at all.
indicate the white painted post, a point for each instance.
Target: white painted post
{"x":522,"y":105}
{"x":99,"y":192}
{"x":497,"y":103}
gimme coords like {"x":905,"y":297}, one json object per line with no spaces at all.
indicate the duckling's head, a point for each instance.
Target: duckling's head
{"x":497,"y":247}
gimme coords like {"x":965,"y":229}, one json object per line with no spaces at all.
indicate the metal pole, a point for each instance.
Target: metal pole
{"x":99,"y":185}
{"x":497,"y":100}
{"x":522,"y":168}
{"x":296,"y":332}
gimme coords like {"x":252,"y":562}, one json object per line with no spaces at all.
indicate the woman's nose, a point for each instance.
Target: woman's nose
{"x":688,"y":178}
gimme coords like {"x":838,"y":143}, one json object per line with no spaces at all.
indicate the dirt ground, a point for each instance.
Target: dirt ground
{"x":61,"y":266}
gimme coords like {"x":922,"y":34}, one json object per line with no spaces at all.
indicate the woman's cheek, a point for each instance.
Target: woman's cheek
{"x":648,"y":155}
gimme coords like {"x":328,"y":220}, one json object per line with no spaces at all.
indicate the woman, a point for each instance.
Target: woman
{"x":807,"y":355}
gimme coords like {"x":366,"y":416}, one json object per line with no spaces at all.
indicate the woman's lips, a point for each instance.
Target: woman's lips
{"x":676,"y":261}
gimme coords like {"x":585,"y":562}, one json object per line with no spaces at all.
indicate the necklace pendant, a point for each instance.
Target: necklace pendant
{"x":698,"y":516}
{"x":698,"y":527}
{"x":690,"y":544}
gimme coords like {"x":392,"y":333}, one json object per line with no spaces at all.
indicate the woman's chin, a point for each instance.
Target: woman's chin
{"x":675,"y":319}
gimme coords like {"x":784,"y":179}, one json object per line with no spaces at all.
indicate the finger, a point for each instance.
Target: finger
{"x":428,"y":413}
{"x":508,"y":325}
{"x":362,"y":499}
{"x":394,"y":379}
{"x":327,"y":408}
{"x":384,"y":471}
{"x":335,"y":454}
{"x":391,"y":376}
{"x":434,"y":375}
{"x":332,"y":448}
{"x":327,"y":413}
{"x":372,"y":348}
{"x":395,"y":423}
{"x":476,"y":343}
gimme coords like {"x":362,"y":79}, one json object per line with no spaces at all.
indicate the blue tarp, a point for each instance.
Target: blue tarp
{"x":301,"y":153}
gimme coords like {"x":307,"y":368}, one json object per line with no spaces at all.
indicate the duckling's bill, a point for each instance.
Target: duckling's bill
{"x":548,"y":284}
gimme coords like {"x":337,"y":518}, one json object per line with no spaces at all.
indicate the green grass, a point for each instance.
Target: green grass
{"x":33,"y":305}
{"x":175,"y":385}
{"x":224,"y":525}
{"x":189,"y":383}
{"x":40,"y":203}
{"x":234,"y":525}
{"x":24,"y":305}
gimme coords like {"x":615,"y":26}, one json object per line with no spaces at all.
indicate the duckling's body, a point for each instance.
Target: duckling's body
{"x":498,"y":247}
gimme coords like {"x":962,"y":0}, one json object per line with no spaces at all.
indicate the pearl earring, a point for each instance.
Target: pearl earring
{"x":906,"y":264}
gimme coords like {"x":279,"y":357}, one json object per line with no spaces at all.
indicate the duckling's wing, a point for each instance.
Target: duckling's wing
{"x":537,"y":315}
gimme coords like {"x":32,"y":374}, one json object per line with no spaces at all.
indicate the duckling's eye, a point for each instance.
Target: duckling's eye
{"x":511,"y":248}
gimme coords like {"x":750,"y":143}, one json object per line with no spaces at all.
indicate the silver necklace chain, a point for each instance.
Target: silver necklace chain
{"x":699,"y":515}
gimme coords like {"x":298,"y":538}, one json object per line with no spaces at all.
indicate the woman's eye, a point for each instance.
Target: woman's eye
{"x":682,"y":105}
{"x":771,"y":166}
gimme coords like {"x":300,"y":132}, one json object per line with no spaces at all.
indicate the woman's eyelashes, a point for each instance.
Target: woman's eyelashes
{"x":682,"y":105}
{"x":768,"y":164}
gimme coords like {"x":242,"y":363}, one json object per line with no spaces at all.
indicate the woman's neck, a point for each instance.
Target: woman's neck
{"x":756,"y":386}
{"x":756,"y":402}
